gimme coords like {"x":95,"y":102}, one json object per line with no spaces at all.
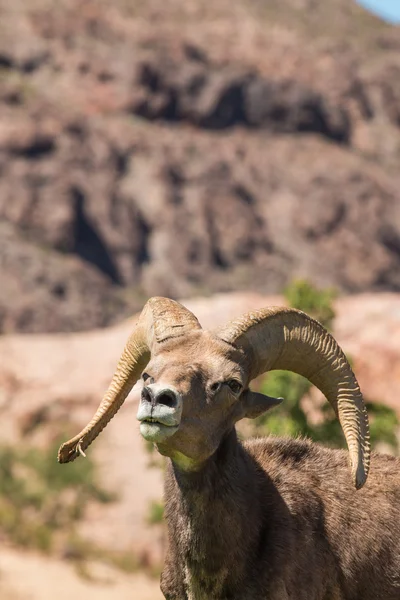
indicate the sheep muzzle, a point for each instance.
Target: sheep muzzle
{"x":159,"y":412}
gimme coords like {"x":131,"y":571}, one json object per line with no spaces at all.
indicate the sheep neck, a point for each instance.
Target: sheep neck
{"x":209,"y":523}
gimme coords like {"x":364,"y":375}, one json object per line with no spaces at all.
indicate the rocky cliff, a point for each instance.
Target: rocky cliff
{"x":177,"y":148}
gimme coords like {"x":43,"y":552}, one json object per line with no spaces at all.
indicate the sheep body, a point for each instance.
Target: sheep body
{"x":266,"y":520}
{"x":279,"y":519}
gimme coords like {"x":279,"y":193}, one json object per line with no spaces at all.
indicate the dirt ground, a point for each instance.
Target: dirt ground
{"x":26,"y":576}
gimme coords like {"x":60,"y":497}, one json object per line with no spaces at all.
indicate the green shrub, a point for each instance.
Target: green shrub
{"x":290,"y":418}
{"x":38,"y":498}
{"x":156,"y":512}
{"x":303,"y":295}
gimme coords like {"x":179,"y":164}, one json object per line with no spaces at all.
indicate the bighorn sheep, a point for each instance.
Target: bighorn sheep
{"x":269,"y":518}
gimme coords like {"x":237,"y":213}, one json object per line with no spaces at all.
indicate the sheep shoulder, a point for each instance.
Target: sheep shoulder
{"x":301,"y":463}
{"x":359,"y":529}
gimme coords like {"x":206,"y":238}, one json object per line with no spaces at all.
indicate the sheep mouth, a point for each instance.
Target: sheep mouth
{"x":159,"y":422}
{"x":153,"y":420}
{"x":167,"y":420}
{"x":154,"y":431}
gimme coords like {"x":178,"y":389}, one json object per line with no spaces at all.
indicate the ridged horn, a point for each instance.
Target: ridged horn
{"x":288,"y":339}
{"x":161,"y":319}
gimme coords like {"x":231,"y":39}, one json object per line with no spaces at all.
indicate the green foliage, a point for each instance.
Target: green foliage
{"x":38,"y":498}
{"x":156,"y":513}
{"x":317,"y":303}
{"x":42,"y":504}
{"x":383,"y":424}
{"x":290,"y":418}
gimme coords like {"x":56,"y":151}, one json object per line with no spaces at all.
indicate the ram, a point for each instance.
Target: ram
{"x":267,"y":519}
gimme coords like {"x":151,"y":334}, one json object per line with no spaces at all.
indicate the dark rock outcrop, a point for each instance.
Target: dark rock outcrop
{"x":47,"y":291}
{"x":134,"y":162}
{"x":217,"y":98}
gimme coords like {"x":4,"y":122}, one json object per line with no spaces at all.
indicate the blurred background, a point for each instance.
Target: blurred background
{"x":231,"y":154}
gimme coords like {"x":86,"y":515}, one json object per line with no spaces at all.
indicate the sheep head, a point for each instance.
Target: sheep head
{"x":195,"y":389}
{"x":196,"y":381}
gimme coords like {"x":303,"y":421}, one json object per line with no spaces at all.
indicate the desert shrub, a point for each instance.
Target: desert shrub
{"x":317,"y":303}
{"x":155,"y":513}
{"x":291,"y":418}
{"x":39,"y":499}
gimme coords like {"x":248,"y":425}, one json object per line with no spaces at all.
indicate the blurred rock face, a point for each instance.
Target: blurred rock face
{"x":136,"y":162}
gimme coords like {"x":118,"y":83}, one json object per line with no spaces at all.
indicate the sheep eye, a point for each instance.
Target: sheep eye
{"x":145,"y":377}
{"x":214,"y":387}
{"x":235,"y":386}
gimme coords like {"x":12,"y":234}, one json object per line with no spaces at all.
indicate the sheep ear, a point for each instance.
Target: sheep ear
{"x":255,"y":404}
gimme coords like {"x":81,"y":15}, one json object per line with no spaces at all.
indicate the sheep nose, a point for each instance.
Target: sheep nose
{"x":156,"y":396}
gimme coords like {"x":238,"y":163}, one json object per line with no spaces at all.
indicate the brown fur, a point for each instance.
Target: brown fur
{"x":269,"y":519}
{"x":279,"y":519}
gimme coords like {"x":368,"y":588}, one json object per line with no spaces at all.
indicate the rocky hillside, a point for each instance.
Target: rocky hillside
{"x":176,"y":148}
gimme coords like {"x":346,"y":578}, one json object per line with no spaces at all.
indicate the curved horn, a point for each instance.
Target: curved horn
{"x":161,"y":319}
{"x":288,"y":339}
